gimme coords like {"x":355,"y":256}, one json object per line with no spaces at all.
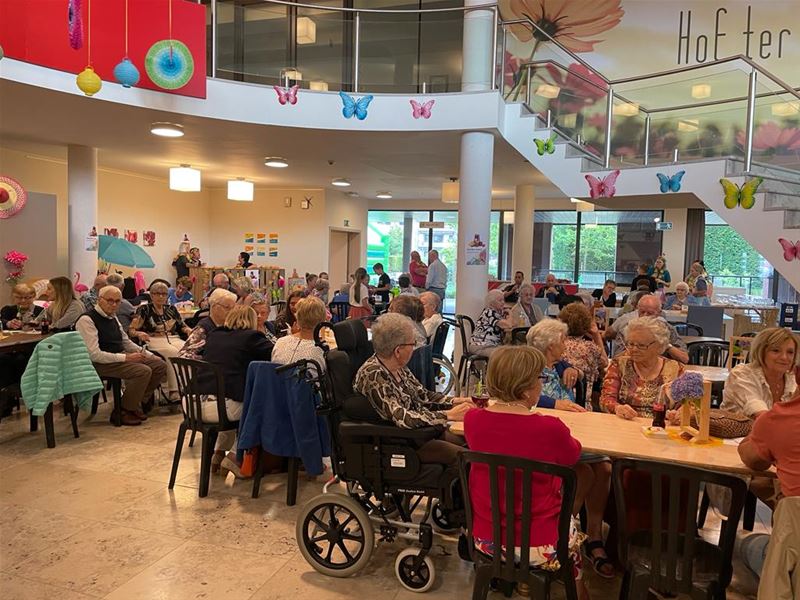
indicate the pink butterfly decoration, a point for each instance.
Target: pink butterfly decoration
{"x":603,"y":188}
{"x":790,"y":251}
{"x":286,"y":94}
{"x":422,"y":110}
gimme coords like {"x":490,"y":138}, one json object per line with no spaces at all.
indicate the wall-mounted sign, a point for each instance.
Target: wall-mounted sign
{"x":431,"y":225}
{"x":789,"y":315}
{"x":664,"y":226}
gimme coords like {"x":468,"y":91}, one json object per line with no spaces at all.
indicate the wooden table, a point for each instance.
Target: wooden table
{"x":693,"y":339}
{"x":712,"y":374}
{"x":608,"y":434}
{"x":16,"y":342}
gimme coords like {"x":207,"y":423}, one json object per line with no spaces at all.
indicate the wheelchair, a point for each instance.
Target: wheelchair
{"x":387,"y":486}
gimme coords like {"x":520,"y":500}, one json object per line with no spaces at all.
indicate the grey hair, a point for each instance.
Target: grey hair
{"x":222,"y":276}
{"x":158,"y":286}
{"x":218,"y":295}
{"x":546,"y":333}
{"x":434,"y":298}
{"x":256,"y":298}
{"x":634,"y":297}
{"x":244,"y":284}
{"x":390,"y":330}
{"x":492,"y":296}
{"x":109,"y":288}
{"x":656,"y":326}
{"x":683,"y":285}
{"x":525,"y":287}
{"x":116,"y":280}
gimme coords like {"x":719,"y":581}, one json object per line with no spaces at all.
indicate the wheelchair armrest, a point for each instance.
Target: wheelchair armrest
{"x":389,"y":431}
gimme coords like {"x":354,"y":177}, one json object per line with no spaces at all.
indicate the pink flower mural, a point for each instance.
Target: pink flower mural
{"x":771,"y":136}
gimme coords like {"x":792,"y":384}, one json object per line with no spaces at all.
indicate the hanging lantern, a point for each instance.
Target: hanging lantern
{"x":89,"y":82}
{"x":126,"y":73}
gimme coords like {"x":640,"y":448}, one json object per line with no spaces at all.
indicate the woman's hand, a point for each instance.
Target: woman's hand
{"x":625,"y":412}
{"x":569,"y":406}
{"x":570,"y":377}
{"x":458,"y":411}
{"x":462,"y":400}
{"x":673,"y":417}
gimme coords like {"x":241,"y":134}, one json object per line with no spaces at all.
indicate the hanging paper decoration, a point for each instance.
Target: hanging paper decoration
{"x":126,"y":72}
{"x":169,"y":63}
{"x":88,"y":81}
{"x":75,"y":24}
{"x":12,"y":197}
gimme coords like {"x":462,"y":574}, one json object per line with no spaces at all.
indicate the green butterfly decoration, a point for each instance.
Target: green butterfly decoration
{"x":546,"y":146}
{"x":744,"y":196}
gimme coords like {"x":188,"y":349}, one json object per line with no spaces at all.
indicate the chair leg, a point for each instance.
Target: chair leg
{"x":704,"y":504}
{"x":749,"y":515}
{"x":95,"y":402}
{"x":176,"y":458}
{"x":191,"y":439}
{"x":49,"y":430}
{"x":258,"y":474}
{"x":116,"y":388}
{"x":291,"y":485}
{"x":483,"y":579}
{"x":209,"y":439}
{"x":640,"y":584}
{"x":34,"y":422}
{"x":71,"y":408}
{"x":570,"y":587}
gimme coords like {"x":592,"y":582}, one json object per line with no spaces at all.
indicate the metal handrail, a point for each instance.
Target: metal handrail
{"x":410,"y":11}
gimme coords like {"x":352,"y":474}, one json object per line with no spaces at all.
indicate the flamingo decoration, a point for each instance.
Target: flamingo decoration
{"x":78,"y":286}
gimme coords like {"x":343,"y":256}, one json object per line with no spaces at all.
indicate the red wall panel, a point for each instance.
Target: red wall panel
{"x":37,"y":31}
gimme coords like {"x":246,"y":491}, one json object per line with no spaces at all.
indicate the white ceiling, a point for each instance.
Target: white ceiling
{"x":410,"y":165}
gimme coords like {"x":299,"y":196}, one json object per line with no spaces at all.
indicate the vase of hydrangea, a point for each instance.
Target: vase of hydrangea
{"x":690,"y":391}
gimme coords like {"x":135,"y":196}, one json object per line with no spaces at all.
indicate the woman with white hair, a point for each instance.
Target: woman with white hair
{"x":525,"y":313}
{"x":634,"y":379}
{"x":558,"y":377}
{"x":242,"y":287}
{"x":490,"y":326}
{"x":681,"y":298}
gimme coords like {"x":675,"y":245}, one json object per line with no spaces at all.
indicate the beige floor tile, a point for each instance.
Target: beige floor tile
{"x":197,"y":570}
{"x":17,"y":588}
{"x":28,"y":481}
{"x":25,"y":531}
{"x":98,"y":559}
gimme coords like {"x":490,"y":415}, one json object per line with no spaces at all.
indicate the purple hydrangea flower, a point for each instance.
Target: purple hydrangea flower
{"x":688,"y":386}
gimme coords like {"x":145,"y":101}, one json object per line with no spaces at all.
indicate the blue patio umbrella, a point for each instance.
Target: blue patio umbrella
{"x":121,"y":252}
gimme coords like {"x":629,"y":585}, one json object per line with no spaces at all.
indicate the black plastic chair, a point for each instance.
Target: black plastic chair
{"x":115,"y":385}
{"x":279,"y":306}
{"x":339,"y":311}
{"x":439,"y":339}
{"x":748,"y":514}
{"x":688,"y":329}
{"x":70,"y":409}
{"x":708,"y":354}
{"x":188,"y":371}
{"x":519,"y":336}
{"x":668,"y":555}
{"x":466,"y":326}
{"x":503,"y":564}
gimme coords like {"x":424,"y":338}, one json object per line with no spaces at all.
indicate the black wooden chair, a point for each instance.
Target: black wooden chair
{"x":466,"y":326}
{"x":708,"y":354}
{"x":339,"y":311}
{"x":188,"y":372}
{"x":688,"y":329}
{"x":70,"y":409}
{"x":668,"y":555}
{"x":748,"y":514}
{"x":115,"y":385}
{"x":503,"y":564}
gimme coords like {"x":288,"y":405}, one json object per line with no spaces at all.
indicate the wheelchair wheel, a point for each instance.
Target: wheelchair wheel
{"x":417,"y":580}
{"x":446,"y":378}
{"x":439,"y":518}
{"x":335,"y":535}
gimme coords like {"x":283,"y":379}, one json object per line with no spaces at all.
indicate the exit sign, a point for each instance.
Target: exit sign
{"x":664,"y":226}
{"x":431,"y":225}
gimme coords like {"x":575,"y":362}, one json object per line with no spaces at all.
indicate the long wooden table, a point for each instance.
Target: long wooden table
{"x":712,"y":374}
{"x":16,"y":342}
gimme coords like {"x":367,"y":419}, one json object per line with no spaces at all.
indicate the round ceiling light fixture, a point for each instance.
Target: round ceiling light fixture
{"x":341,"y":182}
{"x":276,"y":162}
{"x":384,"y":195}
{"x":163,"y":129}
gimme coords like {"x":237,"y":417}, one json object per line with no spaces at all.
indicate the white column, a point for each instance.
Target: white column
{"x":82,"y":197}
{"x":478,"y":55}
{"x":522,"y":249}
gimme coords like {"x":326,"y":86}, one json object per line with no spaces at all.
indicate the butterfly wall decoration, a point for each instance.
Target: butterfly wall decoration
{"x":603,"y":188}
{"x":351,"y":106}
{"x":547,"y":146}
{"x":745,"y":196}
{"x":670,"y":184}
{"x":421,"y":110}
{"x":791,"y":251}
{"x":286,"y":95}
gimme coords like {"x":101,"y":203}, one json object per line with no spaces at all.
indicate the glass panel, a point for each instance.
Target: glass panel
{"x":776,"y":135}
{"x":554,"y":236}
{"x":391,"y":236}
{"x":494,"y":244}
{"x":323,"y":58}
{"x":446,"y":242}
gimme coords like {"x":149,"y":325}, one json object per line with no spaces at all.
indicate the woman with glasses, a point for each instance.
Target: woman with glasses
{"x":161,"y":327}
{"x":23,"y":311}
{"x":634,"y":379}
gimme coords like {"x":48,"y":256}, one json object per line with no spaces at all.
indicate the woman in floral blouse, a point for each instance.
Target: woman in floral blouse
{"x":634,"y":379}
{"x":583,"y":347}
{"x":489,"y":327}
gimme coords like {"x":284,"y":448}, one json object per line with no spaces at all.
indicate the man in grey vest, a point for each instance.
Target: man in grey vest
{"x":115,"y":355}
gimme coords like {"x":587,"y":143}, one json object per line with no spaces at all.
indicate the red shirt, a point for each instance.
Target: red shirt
{"x":533,"y":436}
{"x":417,"y":275}
{"x":776,"y":438}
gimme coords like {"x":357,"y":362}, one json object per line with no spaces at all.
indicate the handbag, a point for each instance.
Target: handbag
{"x":726,"y":424}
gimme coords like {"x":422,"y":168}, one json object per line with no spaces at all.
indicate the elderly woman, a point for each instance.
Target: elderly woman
{"x":412,"y":307}
{"x":583,"y":345}
{"x":300,"y":345}
{"x":525,"y":313}
{"x":286,"y":323}
{"x":23,"y":311}
{"x":231,"y":348}
{"x":431,"y":318}
{"x":258,"y":302}
{"x":242,"y":287}
{"x":509,"y":427}
{"x":180,"y":293}
{"x":64,"y":309}
{"x":321,"y":289}
{"x":559,"y":376}
{"x":162,"y":328}
{"x":681,"y":298}
{"x":634,"y":379}
{"x":753,"y":388}
{"x":490,"y":326}
{"x":221,"y":302}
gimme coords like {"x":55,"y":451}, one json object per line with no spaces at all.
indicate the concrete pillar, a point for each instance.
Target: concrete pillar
{"x":82,"y":201}
{"x":522,"y":252}
{"x":478,"y":55}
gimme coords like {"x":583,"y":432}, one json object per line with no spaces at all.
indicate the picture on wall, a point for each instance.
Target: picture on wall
{"x":148,"y":238}
{"x":112,"y":231}
{"x":90,"y":243}
{"x":273,"y":254}
{"x":261,"y":252}
{"x":261,"y":238}
{"x":250,"y":249}
{"x":93,"y":231}
{"x":132,"y":236}
{"x":249,"y":238}
{"x":273,"y":238}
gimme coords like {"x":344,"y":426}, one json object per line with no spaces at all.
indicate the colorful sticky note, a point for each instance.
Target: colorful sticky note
{"x":261,"y":238}
{"x":248,"y":238}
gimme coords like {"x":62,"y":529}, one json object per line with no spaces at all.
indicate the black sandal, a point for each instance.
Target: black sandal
{"x":598,"y":562}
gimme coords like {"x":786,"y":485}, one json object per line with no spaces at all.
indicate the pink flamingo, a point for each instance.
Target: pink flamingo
{"x":78,"y":286}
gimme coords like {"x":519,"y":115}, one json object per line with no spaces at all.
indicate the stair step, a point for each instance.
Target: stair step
{"x":779,"y":201}
{"x":791,"y":219}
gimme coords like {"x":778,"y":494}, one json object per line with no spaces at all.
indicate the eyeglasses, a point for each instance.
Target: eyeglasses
{"x":408,"y":344}
{"x":639,"y":346}
{"x":158,"y":293}
{"x":111,"y":300}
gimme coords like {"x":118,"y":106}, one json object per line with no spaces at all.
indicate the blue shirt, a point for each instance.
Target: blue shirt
{"x":172,"y":299}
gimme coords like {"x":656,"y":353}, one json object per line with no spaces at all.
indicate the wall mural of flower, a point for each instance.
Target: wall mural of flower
{"x":772,"y":137}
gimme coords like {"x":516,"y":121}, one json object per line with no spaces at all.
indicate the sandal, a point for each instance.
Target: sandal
{"x":599,"y":562}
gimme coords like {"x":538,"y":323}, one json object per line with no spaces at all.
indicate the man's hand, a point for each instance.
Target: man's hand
{"x":135,"y":357}
{"x":14,"y":324}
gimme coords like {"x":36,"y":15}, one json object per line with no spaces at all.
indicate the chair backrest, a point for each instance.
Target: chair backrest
{"x":708,"y":354}
{"x":465,"y":328}
{"x":518,"y":336}
{"x":279,"y":306}
{"x":688,"y":329}
{"x":421,"y":365}
{"x":440,"y":339}
{"x":195,"y":319}
{"x":339,"y":311}
{"x":707,"y":317}
{"x":503,"y":492}
{"x":351,"y":338}
{"x":670,"y":544}
{"x":739,"y":350}
{"x":189,"y":373}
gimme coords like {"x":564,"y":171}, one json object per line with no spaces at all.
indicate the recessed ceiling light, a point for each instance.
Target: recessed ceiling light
{"x":701,"y":90}
{"x":341,"y":182}
{"x":276,"y":162}
{"x":166,"y":130}
{"x":384,"y":195}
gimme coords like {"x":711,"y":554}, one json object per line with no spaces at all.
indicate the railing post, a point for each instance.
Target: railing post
{"x":609,"y":118}
{"x":356,"y":50}
{"x":213,"y":38}
{"x":502,"y":82}
{"x":647,"y":140}
{"x":751,"y":108}
{"x":528,"y":86}
{"x":494,"y":50}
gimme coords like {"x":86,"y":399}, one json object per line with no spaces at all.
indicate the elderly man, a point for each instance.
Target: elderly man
{"x":221,"y":302}
{"x":649,"y":306}
{"x":551,"y":289}
{"x":220,"y":281}
{"x":115,"y":355}
{"x":436,"y":279}
{"x":89,"y":299}
{"x":432,"y":317}
{"x":125,"y":310}
{"x":23,"y":311}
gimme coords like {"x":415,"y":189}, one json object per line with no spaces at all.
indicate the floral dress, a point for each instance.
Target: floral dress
{"x":623,"y":385}
{"x":585,"y":356}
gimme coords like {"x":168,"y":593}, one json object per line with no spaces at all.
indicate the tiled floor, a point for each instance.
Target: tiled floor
{"x":92,"y":518}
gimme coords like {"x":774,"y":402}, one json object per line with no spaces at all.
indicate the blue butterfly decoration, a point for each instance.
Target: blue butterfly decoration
{"x":670,"y":184}
{"x":355,"y":107}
